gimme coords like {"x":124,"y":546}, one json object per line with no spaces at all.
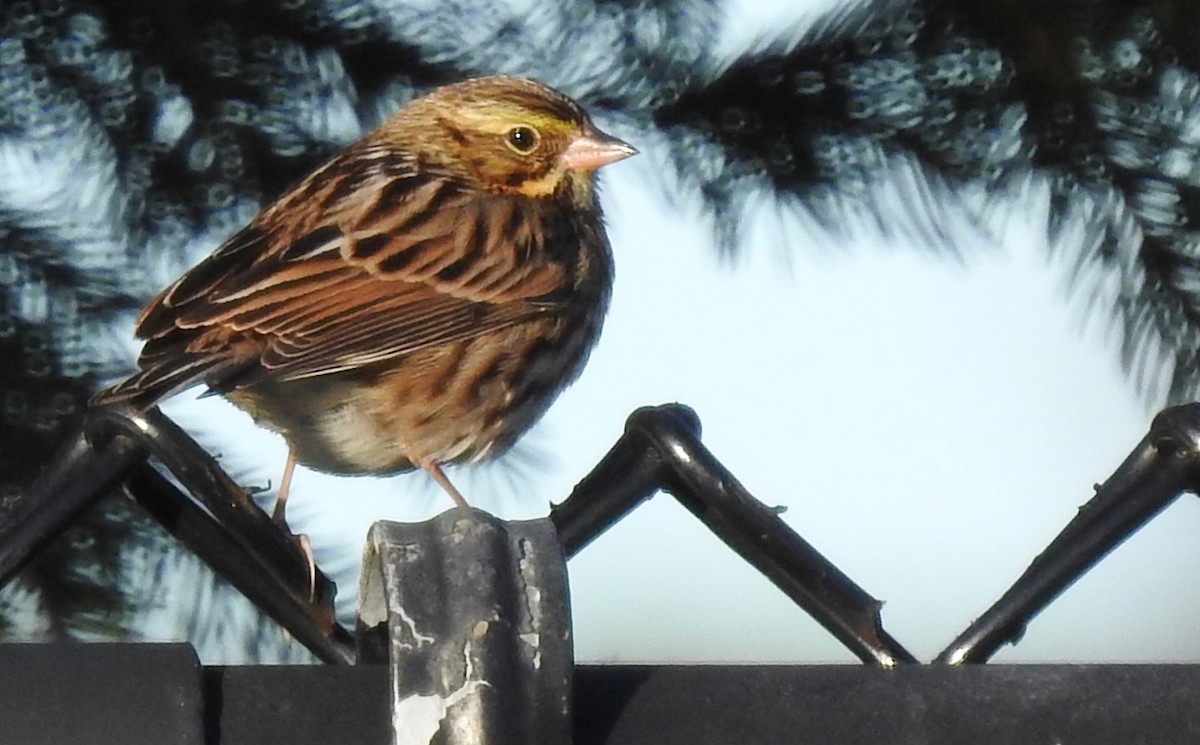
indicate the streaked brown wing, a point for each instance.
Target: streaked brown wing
{"x":392,"y":266}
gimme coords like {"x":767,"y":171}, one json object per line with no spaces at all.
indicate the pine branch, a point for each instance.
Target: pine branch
{"x":1100,"y":99}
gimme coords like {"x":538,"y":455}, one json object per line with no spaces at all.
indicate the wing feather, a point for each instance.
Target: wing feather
{"x":397,"y":264}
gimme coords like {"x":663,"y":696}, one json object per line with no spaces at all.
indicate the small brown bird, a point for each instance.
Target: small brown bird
{"x":420,"y":299}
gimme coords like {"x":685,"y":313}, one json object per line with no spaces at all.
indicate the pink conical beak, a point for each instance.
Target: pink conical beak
{"x":594,"y":149}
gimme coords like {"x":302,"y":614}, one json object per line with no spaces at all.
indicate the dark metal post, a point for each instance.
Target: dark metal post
{"x":471,"y":614}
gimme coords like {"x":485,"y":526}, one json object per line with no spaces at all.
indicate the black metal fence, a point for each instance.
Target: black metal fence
{"x":468,"y":618}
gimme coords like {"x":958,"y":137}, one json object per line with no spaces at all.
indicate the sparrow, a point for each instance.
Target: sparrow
{"x":420,"y":299}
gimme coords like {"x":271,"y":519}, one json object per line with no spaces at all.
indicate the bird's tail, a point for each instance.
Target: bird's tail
{"x":156,"y":382}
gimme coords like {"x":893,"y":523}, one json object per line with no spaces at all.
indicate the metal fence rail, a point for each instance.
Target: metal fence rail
{"x":160,"y":689}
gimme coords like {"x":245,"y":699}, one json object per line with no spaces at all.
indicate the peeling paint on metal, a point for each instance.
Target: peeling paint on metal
{"x":417,"y":718}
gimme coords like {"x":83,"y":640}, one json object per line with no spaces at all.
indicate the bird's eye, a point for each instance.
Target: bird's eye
{"x":522,"y":139}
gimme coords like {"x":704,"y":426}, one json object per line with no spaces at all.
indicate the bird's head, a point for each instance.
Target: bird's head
{"x":507,"y":136}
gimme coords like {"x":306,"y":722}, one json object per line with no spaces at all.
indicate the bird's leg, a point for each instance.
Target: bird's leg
{"x":280,"y":518}
{"x":434,"y":470}
{"x":285,"y":485}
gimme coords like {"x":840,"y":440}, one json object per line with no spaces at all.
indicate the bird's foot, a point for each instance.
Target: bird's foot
{"x":305,"y":546}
